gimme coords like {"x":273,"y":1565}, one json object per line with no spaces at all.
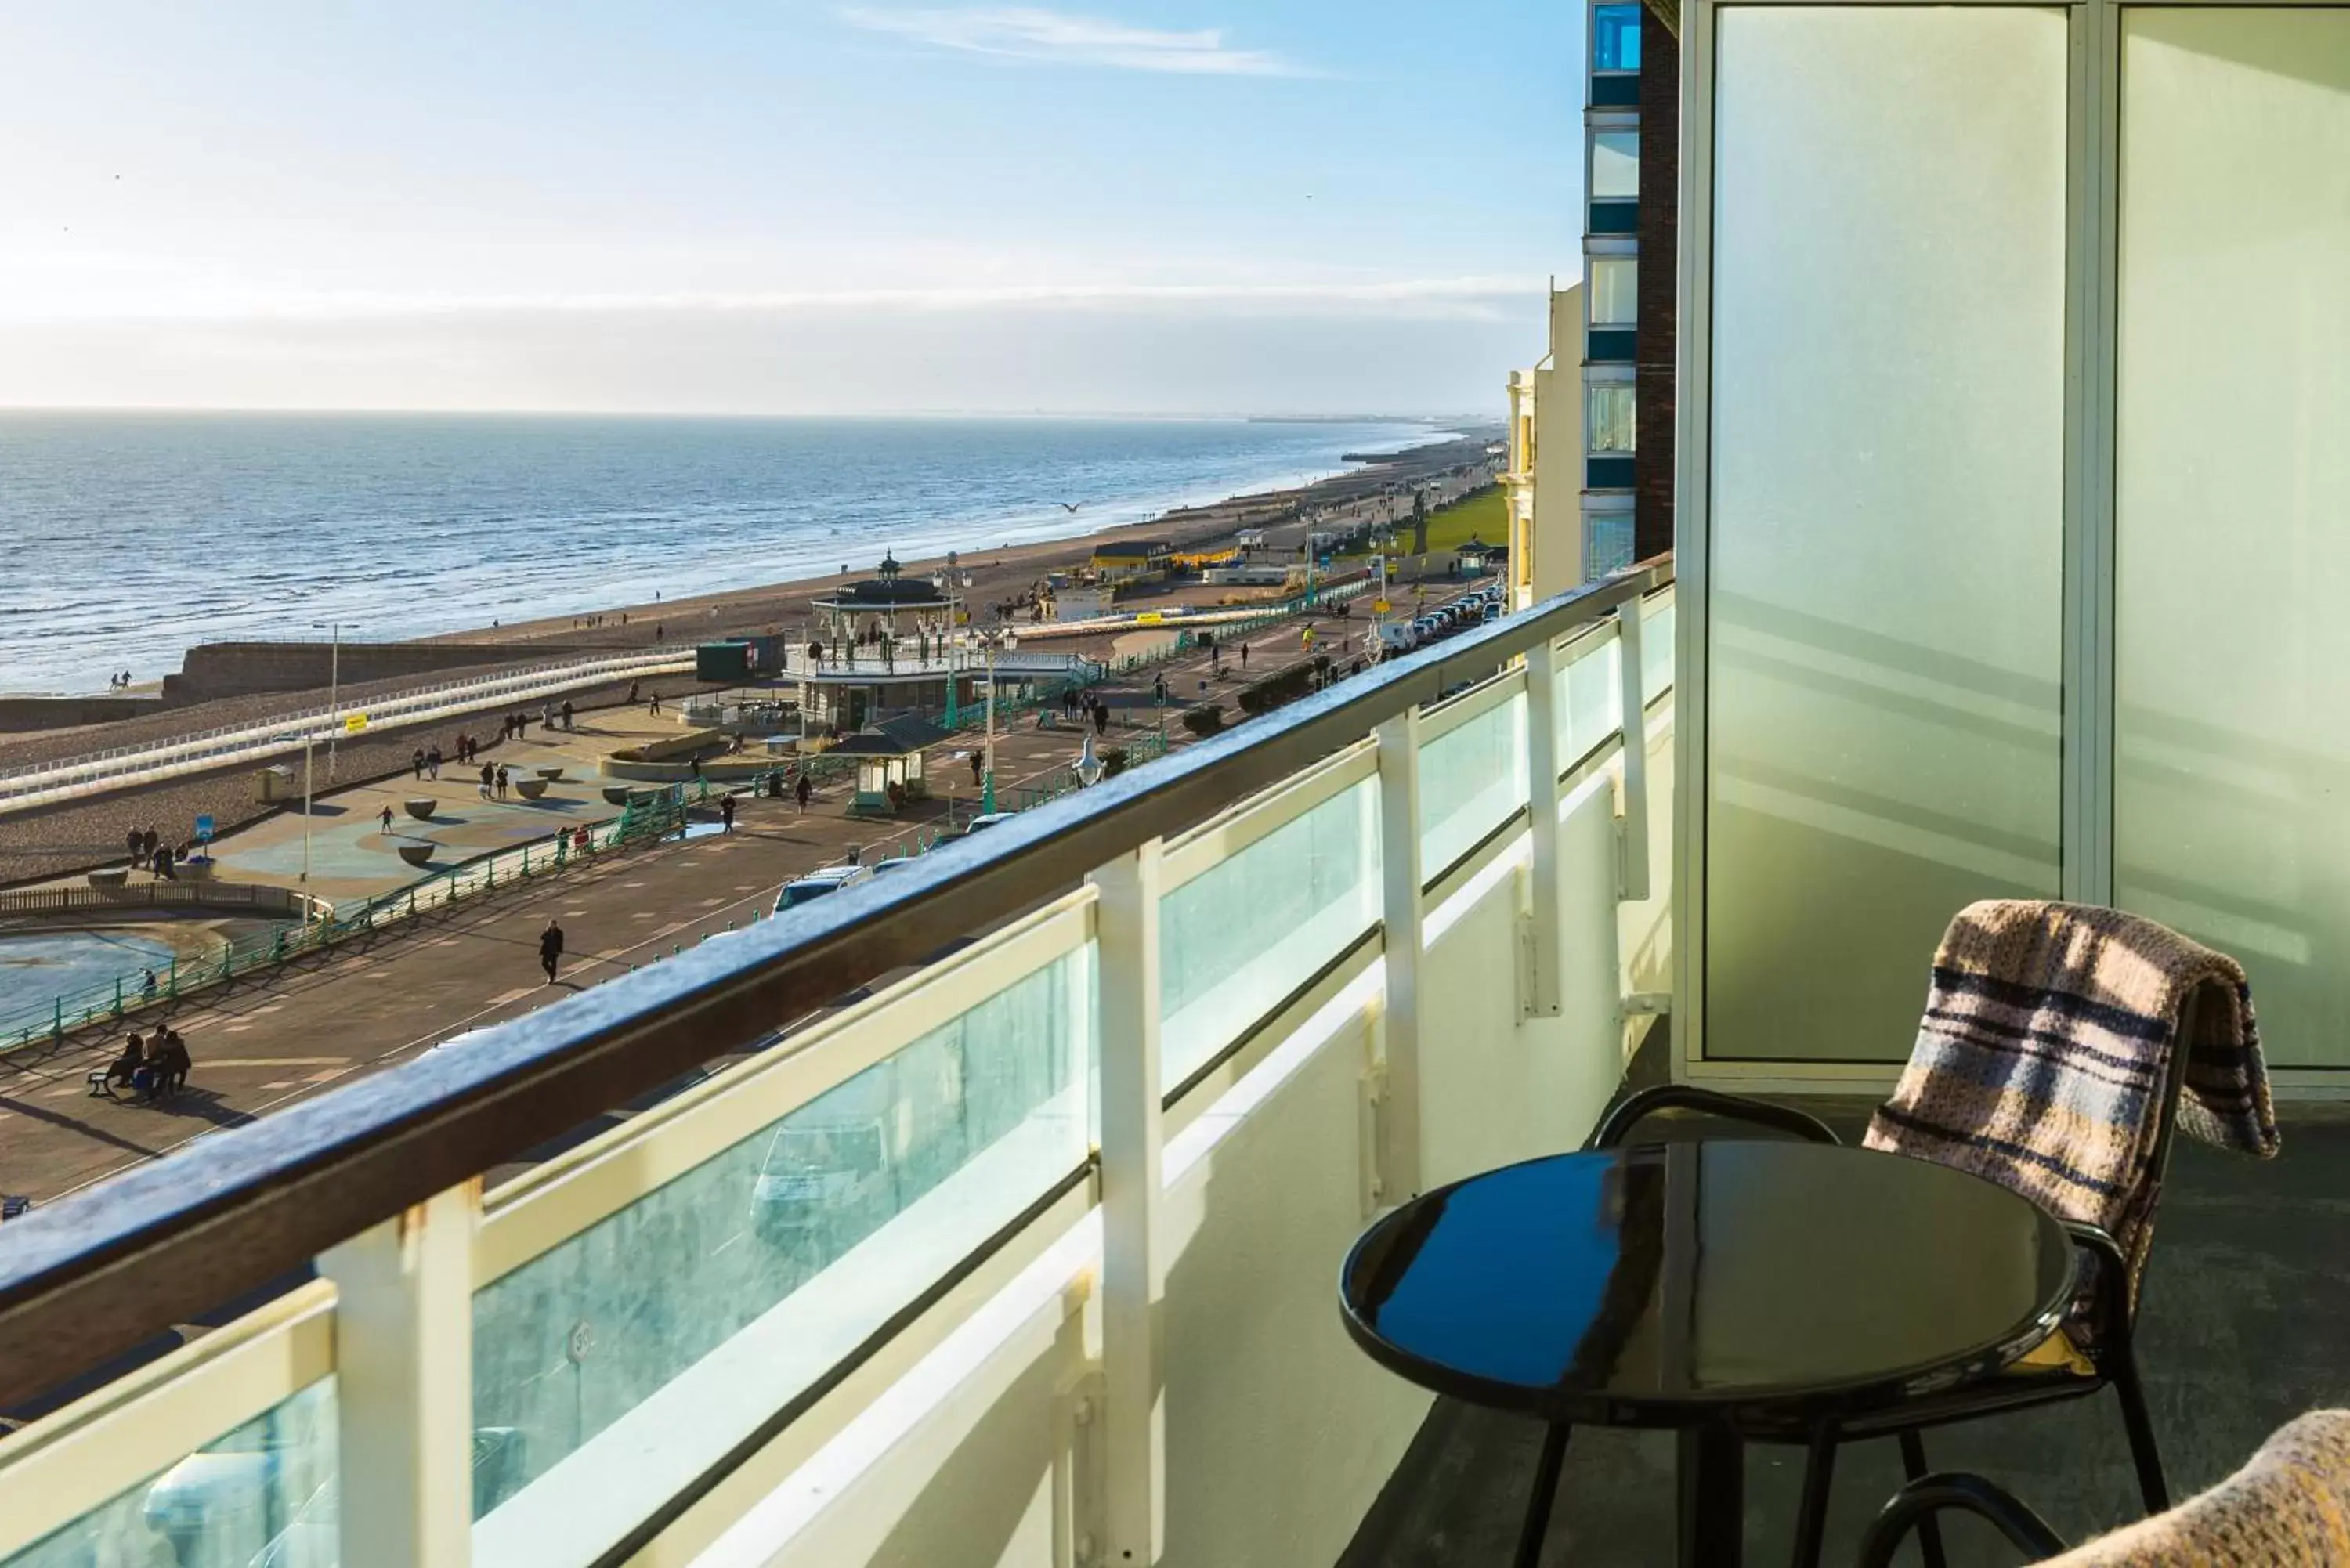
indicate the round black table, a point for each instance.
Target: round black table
{"x":1727,"y":1289}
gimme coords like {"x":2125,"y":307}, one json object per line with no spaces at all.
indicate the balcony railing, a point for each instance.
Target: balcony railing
{"x":1026,"y":1257}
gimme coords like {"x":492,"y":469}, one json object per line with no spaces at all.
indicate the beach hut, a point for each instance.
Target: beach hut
{"x":890,"y":757}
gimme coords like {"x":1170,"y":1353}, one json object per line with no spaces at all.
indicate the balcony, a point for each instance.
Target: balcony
{"x":1025,"y":1257}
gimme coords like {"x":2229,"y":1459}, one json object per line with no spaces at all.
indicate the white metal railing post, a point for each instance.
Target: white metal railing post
{"x":404,"y":1385}
{"x":1542,"y":999}
{"x":1132,"y":1145}
{"x":1634,"y":880}
{"x":1397,"y":1100}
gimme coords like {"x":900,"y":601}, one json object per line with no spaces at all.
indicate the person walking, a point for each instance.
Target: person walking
{"x":503,"y":779}
{"x":567,"y":723}
{"x":978,"y":768}
{"x":386,"y":819}
{"x":132,"y":840}
{"x":550,"y":949}
{"x":147,"y":843}
{"x":489,"y":778}
{"x":416,"y":764}
{"x":656,"y":704}
{"x":1244,"y":656}
{"x":432,"y":760}
{"x":1101,"y":717}
{"x":802,"y":790}
{"x":726,"y":812}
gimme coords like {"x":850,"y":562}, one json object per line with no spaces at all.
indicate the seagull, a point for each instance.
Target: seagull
{"x":1069,"y":505}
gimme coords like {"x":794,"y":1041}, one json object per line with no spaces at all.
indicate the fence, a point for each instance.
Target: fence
{"x":323,"y":927}
{"x":38,"y":782}
{"x":154,"y":895}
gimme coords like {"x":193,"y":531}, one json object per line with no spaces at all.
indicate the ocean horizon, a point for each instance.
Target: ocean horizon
{"x":132,"y":535}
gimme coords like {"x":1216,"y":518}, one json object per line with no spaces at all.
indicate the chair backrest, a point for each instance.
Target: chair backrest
{"x":2289,"y":1507}
{"x":2055,"y":1055}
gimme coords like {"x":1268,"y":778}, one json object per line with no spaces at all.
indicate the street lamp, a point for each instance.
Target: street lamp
{"x":335,"y":711}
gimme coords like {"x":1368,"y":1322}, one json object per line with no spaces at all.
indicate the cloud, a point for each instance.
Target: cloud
{"x":1027,"y":33}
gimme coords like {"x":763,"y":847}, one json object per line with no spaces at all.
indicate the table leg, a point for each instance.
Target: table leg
{"x":1538,"y":1503}
{"x":1713,"y":1525}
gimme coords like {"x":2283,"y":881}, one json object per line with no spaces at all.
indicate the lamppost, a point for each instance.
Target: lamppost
{"x":334,"y":685}
{"x":987,"y":785}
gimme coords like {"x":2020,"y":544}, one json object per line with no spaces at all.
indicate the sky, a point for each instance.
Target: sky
{"x":1178,"y":206}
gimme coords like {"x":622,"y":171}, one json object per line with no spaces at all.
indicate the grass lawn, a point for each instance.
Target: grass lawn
{"x":1483,"y":516}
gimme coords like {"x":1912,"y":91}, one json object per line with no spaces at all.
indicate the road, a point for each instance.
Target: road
{"x":288,"y":1034}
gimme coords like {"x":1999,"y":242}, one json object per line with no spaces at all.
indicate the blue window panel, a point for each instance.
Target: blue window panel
{"x":1615,"y":218}
{"x":1615,"y":92}
{"x":1615,"y":38}
{"x":1607,"y":473}
{"x":1609,"y":346}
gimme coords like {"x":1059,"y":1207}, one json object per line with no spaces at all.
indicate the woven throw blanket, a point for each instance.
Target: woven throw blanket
{"x":2289,"y":1508}
{"x":2040,"y":1060}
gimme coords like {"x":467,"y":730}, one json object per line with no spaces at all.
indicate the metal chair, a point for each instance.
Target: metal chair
{"x":2111,"y":1354}
{"x":2289,"y":1504}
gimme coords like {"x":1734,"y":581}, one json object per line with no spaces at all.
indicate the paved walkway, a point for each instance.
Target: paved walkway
{"x":288,"y":1034}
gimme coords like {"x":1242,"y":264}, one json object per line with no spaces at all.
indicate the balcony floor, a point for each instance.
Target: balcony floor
{"x":2244,"y":1295}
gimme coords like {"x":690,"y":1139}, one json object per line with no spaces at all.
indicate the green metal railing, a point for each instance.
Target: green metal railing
{"x":640,"y":822}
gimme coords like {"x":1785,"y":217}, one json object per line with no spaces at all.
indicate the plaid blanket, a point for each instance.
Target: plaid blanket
{"x":2289,"y":1508}
{"x":2040,"y":1060}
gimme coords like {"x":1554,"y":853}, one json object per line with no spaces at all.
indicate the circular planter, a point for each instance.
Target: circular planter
{"x":617,"y":794}
{"x":422,"y":810}
{"x":550,"y":774}
{"x":531,"y":789}
{"x":418,"y":854}
{"x":112,"y":878}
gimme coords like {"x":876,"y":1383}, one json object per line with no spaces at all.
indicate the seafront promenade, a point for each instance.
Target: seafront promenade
{"x":288,"y":1033}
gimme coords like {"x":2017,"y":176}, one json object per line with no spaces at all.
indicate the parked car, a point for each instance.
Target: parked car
{"x":820,"y":884}
{"x":1492,"y":611}
{"x":987,"y":820}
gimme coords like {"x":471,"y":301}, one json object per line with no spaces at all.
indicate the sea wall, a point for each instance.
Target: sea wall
{"x":19,"y":714}
{"x":216,"y":670}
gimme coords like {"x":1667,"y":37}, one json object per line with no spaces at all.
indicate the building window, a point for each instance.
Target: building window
{"x":1615,"y":283}
{"x":1615,"y":164}
{"x":1611,"y":419}
{"x":1615,"y":37}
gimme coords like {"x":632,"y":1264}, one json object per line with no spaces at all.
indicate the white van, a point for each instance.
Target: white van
{"x":1397,"y":637}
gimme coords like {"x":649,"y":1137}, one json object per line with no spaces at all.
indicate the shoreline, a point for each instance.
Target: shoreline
{"x":1007,"y":569}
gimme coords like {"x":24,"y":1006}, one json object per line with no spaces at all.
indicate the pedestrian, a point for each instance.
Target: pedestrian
{"x":567,"y":715}
{"x":432,"y":760}
{"x":416,"y":763}
{"x":163,"y":863}
{"x":171,"y":1062}
{"x":632,"y":693}
{"x":386,"y":819}
{"x":1244,"y":656}
{"x":1101,"y":717}
{"x":978,"y":769}
{"x":802,"y":790}
{"x":489,"y":778}
{"x":503,"y":779}
{"x":146,"y":986}
{"x":550,"y":949}
{"x":147,"y":841}
{"x":695,"y":763}
{"x":656,"y":704}
{"x":134,"y":1052}
{"x":132,"y":838}
{"x":726,"y":812}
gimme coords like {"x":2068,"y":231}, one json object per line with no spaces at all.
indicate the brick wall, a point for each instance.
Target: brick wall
{"x":1661,"y":173}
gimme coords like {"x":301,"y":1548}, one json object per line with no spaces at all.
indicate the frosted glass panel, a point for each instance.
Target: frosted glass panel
{"x":2231,"y":795}
{"x":1886,"y":506}
{"x":1471,"y":779}
{"x":263,"y":1494}
{"x":1589,"y":698}
{"x":632,"y":1356}
{"x":1236,"y":940}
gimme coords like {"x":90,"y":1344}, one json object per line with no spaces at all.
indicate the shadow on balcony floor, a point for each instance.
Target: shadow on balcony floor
{"x":2246,"y":1298}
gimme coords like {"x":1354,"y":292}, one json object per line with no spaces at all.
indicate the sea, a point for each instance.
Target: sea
{"x":127,"y":537}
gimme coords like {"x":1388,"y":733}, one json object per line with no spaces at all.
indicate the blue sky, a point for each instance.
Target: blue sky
{"x":1178,"y":205}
